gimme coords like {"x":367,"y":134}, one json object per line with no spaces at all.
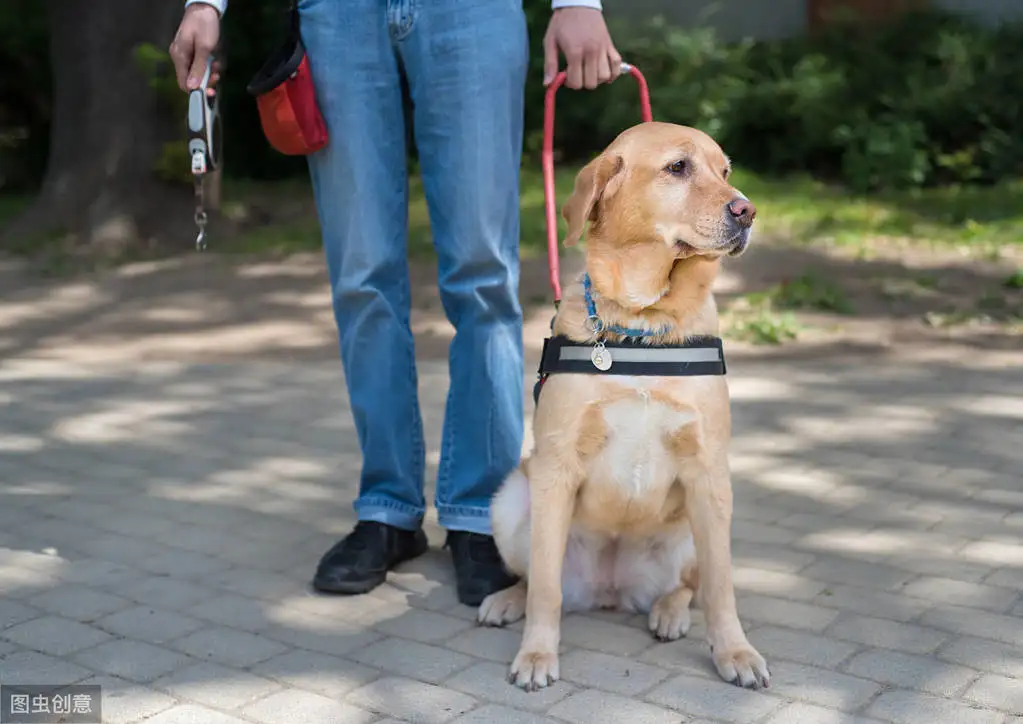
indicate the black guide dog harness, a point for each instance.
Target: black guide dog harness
{"x":695,"y":357}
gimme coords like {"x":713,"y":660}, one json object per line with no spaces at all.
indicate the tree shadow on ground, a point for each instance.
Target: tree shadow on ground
{"x":211,"y":308}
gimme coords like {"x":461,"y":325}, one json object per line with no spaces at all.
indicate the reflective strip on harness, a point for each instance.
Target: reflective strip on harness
{"x":698,"y":356}
{"x":647,"y":354}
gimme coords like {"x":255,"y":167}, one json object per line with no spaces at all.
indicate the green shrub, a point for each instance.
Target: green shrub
{"x":929,"y":99}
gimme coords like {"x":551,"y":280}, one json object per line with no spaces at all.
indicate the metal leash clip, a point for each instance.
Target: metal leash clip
{"x":204,"y":135}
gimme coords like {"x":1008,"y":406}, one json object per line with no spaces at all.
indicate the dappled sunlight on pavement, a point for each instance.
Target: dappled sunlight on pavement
{"x":161,"y":515}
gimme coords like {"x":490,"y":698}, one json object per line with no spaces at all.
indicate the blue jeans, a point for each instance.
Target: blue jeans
{"x":465,"y":63}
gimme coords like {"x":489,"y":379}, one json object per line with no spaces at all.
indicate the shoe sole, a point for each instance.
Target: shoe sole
{"x":357,"y":588}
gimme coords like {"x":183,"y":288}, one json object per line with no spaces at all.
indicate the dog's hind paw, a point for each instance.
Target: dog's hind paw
{"x":669,"y":618}
{"x":503,"y":607}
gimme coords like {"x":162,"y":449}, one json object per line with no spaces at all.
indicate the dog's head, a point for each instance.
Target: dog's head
{"x":658,"y":194}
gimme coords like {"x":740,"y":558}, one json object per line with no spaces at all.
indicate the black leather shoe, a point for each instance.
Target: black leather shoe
{"x":479,"y":570}
{"x":359,"y":562}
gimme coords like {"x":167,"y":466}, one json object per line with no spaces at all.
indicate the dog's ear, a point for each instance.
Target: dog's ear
{"x":593,"y":183}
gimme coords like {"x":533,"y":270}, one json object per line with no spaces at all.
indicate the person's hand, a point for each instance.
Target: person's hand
{"x":581,"y":35}
{"x":196,"y":38}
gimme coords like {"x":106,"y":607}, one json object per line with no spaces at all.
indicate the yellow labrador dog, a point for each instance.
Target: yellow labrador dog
{"x":626,"y":501}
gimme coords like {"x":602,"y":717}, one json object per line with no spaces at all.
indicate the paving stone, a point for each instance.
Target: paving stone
{"x":216,"y":686}
{"x":689,"y":656}
{"x":713,"y":699}
{"x":590,"y":706}
{"x":943,"y":566}
{"x":958,"y":620}
{"x":488,"y":681}
{"x":910,"y":707}
{"x":494,"y":644}
{"x":54,"y":635}
{"x":166,"y":592}
{"x":986,"y":655}
{"x":773,"y":642}
{"x":492,"y":713}
{"x":125,"y":702}
{"x":845,"y":571}
{"x":775,"y":583}
{"x":800,"y":713}
{"x":303,"y":706}
{"x":253,"y":583}
{"x":911,"y":672}
{"x":31,"y":667}
{"x":13,"y":613}
{"x":820,"y":686}
{"x":228,"y":646}
{"x":145,"y":623}
{"x":191,"y":714}
{"x":412,"y":659}
{"x":962,"y":593}
{"x":758,"y":556}
{"x":872,"y":603}
{"x":232,"y":610}
{"x":754,"y":532}
{"x":785,"y":613}
{"x":616,"y":674}
{"x":598,"y":635}
{"x":133,"y":660}
{"x":998,"y":692}
{"x":79,"y":603}
{"x":331,"y":676}
{"x":424,"y":626}
{"x":881,"y":633}
{"x":995,"y":552}
{"x":406,"y":699}
{"x":1011,"y":578}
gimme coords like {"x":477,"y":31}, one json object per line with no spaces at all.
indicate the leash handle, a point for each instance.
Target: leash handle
{"x":547,"y":159}
{"x":203,"y":145}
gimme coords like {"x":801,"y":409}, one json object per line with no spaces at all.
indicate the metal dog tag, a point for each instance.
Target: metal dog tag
{"x":601,"y":357}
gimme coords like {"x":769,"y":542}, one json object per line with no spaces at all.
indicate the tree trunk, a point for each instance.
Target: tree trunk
{"x":108,"y":130}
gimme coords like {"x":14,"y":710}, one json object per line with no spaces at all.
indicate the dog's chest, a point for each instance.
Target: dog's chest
{"x":632,"y":477}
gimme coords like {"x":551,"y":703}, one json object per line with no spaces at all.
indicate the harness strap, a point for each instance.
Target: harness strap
{"x":696,"y":357}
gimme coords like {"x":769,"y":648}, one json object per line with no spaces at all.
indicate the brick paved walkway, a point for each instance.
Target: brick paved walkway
{"x":159,"y":523}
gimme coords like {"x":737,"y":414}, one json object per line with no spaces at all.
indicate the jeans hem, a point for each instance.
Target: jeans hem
{"x":389,"y":512}
{"x":464,"y":518}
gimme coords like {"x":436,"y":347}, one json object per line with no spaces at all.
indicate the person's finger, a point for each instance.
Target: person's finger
{"x":603,"y":68}
{"x":198,"y":67}
{"x":181,"y":55}
{"x":591,"y":69}
{"x":574,"y":69}
{"x":550,"y":58}
{"x":615,"y":61}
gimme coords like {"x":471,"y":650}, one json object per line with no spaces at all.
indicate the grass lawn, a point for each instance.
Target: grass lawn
{"x":799,"y":210}
{"x":280,"y":217}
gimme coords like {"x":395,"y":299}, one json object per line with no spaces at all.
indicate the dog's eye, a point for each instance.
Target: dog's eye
{"x":676,"y":168}
{"x":727,"y":173}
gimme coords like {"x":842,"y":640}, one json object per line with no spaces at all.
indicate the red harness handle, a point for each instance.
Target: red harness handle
{"x":547,"y":157}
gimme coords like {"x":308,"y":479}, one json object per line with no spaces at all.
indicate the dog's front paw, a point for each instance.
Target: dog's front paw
{"x":743,"y":666}
{"x":503,"y":607}
{"x":534,"y":670}
{"x":669,"y":617}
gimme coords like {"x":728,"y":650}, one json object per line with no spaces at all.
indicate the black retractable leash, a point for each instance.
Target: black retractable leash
{"x":204,"y":134}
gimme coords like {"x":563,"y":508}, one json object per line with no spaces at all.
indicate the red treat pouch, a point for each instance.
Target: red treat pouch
{"x":286,"y":99}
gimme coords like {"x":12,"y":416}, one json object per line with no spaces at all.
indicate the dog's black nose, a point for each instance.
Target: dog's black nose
{"x":743,"y":211}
